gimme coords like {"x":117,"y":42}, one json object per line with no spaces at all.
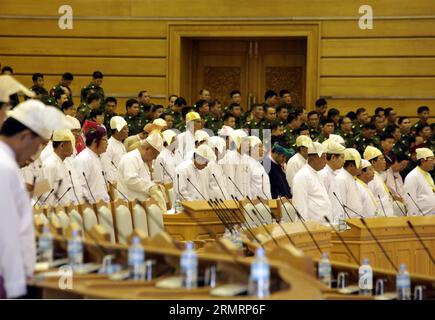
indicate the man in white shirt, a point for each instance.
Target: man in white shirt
{"x":349,"y":203}
{"x":309,"y":195}
{"x":370,"y":206}
{"x":235,"y":166}
{"x":29,"y":125}
{"x":334,"y":162}
{"x":89,"y":167}
{"x":134,"y":176}
{"x":419,"y":185}
{"x":194,"y":180}
{"x":115,"y":148}
{"x":299,"y":160}
{"x":218,"y":145}
{"x":60,"y":174}
{"x":377,"y":185}
{"x":186,"y":140}
{"x":167,"y":160}
{"x":260,"y":182}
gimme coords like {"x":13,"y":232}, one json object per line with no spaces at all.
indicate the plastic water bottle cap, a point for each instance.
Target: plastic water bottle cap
{"x":324,"y":255}
{"x":366,"y":261}
{"x":135,"y":240}
{"x":45,"y":229}
{"x":189,"y":245}
{"x":75,"y":232}
{"x":402,"y":267}
{"x":259,"y":252}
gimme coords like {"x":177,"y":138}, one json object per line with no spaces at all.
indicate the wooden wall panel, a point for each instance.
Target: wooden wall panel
{"x":381,"y":28}
{"x":419,"y":47}
{"x":84,"y":28}
{"x":86,"y":65}
{"x":385,"y":67}
{"x":372,"y":87}
{"x":82,"y":47}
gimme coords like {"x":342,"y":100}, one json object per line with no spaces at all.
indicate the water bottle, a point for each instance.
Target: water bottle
{"x":403,"y":284}
{"x":342,"y":226}
{"x":46,"y":245}
{"x":325,"y":270}
{"x":178,"y":207}
{"x":259,"y":279}
{"x":237,"y":239}
{"x":136,"y":260}
{"x":75,"y":250}
{"x":227,"y":235}
{"x":365,"y":282}
{"x":189,"y":267}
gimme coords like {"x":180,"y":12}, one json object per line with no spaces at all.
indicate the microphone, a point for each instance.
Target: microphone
{"x":245,"y":223}
{"x":113,"y":164}
{"x":341,"y":204}
{"x":262,"y":186}
{"x":223,"y":194}
{"x":421,"y":241}
{"x":188,"y":180}
{"x":87,"y":184}
{"x":58,"y":200}
{"x":169,"y":175}
{"x":382,"y":206}
{"x":178,"y":187}
{"x":267,"y":230}
{"x":397,"y":204}
{"x":107,"y":187}
{"x":220,"y":216}
{"x":342,"y":240}
{"x":114,"y":187}
{"x":379,"y":244}
{"x":288,"y":215}
{"x":282,"y":228}
{"x":309,"y":232}
{"x":353,"y":211}
{"x":49,"y":194}
{"x":421,"y":211}
{"x":37,"y":200}
{"x":249,"y":215}
{"x":229,"y":178}
{"x":72,"y":184}
{"x":264,"y":220}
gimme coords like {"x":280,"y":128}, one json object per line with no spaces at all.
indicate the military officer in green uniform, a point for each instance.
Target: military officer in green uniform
{"x":313,"y":125}
{"x":365,"y":138}
{"x":214,"y":120}
{"x":175,"y":111}
{"x":236,"y":110}
{"x":345,"y":131}
{"x":65,"y":82}
{"x":362,"y":117}
{"x":38,"y":87}
{"x":135,"y":120}
{"x":423,"y":114}
{"x":84,"y":109}
{"x":111,"y":104}
{"x":327,"y":129}
{"x":94,"y":85}
{"x":257,"y":122}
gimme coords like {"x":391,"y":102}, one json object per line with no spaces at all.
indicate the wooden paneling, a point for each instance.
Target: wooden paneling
{"x":83,"y":47}
{"x":112,"y":85}
{"x":84,"y":28}
{"x":218,"y":8}
{"x":373,"y":87}
{"x":377,"y":67}
{"x":378,"y":47}
{"x":86,"y":65}
{"x":381,"y":28}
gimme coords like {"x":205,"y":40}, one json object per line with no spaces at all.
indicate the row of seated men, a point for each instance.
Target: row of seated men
{"x":321,"y":179}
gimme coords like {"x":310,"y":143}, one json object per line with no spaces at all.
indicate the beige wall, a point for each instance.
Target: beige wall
{"x":391,"y":65}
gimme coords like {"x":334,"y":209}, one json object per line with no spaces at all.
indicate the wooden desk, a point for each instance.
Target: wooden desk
{"x":396,"y":237}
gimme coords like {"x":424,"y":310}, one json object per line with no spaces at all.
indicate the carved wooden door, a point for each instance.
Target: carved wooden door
{"x":251,"y":66}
